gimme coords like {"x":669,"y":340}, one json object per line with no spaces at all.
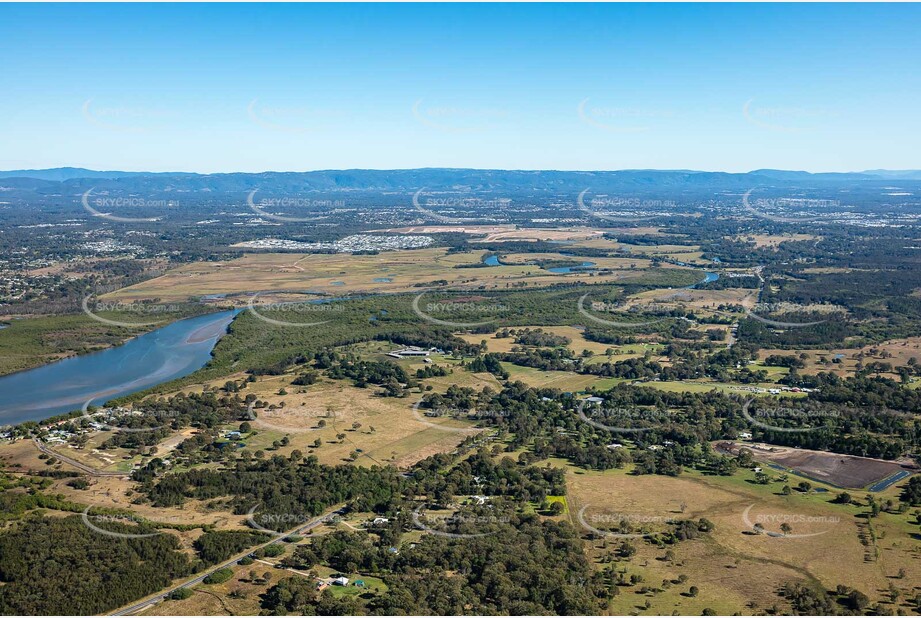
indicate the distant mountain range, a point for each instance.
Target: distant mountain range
{"x":69,"y":173}
{"x":70,"y":181}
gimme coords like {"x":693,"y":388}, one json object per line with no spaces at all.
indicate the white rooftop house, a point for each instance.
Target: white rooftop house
{"x":413,"y":352}
{"x":410,"y":351}
{"x":341,"y":581}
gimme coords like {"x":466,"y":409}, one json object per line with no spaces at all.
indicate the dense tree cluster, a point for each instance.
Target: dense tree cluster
{"x":496,"y":573}
{"x":488,"y":363}
{"x":218,"y":545}
{"x":59,"y":566}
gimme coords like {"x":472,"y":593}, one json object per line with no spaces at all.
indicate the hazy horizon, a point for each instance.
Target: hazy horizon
{"x":485,"y":169}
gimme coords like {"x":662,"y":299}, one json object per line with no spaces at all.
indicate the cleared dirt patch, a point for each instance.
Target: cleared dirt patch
{"x":838,"y":470}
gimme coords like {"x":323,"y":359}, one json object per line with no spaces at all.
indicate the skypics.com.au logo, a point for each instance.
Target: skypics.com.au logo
{"x":782,"y":308}
{"x":279,"y":525}
{"x":777,"y":308}
{"x":97,"y":418}
{"x":619,"y":209}
{"x":458,"y":119}
{"x":286,"y":204}
{"x":479,"y":209}
{"x":788,"y":209}
{"x":459,"y":524}
{"x":605,"y":307}
{"x":619,"y":525}
{"x":616,"y":419}
{"x":767,"y":416}
{"x":768,"y":523}
{"x":784,"y":119}
{"x":295,"y":314}
{"x":125,"y":118}
{"x":295,"y":119}
{"x":92,"y":310}
{"x":98,"y":523}
{"x":425,"y":414}
{"x":459,"y":308}
{"x":773,"y":308}
{"x":105,"y":207}
{"x":619,"y":119}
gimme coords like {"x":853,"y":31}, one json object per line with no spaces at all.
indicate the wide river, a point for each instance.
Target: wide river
{"x":165,"y":354}
{"x":170,"y":352}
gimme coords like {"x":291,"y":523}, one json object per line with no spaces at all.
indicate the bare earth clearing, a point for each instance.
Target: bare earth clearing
{"x":838,"y":470}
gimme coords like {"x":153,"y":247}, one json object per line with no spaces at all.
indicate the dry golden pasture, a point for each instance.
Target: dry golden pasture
{"x":896,"y":352}
{"x":730,"y":566}
{"x":21,"y":456}
{"x":693,"y":298}
{"x":118,"y":493}
{"x":578,"y":341}
{"x":614,"y":263}
{"x":216,"y":600}
{"x":684,"y":253}
{"x":400,"y":436}
{"x":396,"y":271}
{"x":543,"y":234}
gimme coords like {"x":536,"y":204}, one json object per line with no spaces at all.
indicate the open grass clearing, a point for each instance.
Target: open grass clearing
{"x":730,"y":566}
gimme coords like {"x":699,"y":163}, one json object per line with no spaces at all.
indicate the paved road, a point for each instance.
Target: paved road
{"x":133,"y":609}
{"x":73,"y":462}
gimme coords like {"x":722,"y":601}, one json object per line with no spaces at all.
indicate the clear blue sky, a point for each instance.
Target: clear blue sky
{"x":217,"y":88}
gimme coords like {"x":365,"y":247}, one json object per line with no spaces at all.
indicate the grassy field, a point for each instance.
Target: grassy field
{"x":567,"y":381}
{"x":217,"y":600}
{"x":694,"y":298}
{"x":389,"y":431}
{"x":578,"y":343}
{"x":843,"y":361}
{"x":339,"y":274}
{"x":731,"y":567}
{"x":704,"y":385}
